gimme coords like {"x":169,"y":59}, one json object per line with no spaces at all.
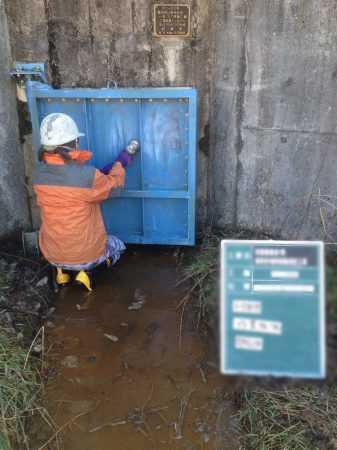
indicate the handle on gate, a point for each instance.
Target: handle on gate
{"x":112,"y":81}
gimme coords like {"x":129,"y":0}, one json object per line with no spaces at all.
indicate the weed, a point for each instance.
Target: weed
{"x":19,"y":391}
{"x":202,"y":273}
{"x":300,"y":418}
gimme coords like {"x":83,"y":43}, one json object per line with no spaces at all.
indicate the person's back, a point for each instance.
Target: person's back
{"x":73,"y":235}
{"x":69,"y":195}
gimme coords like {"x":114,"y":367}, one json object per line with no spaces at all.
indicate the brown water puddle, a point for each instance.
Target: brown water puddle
{"x":147,"y":390}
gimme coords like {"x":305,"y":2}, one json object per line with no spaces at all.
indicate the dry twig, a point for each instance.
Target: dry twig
{"x":60,"y":429}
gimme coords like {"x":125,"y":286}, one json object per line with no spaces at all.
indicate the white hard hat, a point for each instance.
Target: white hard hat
{"x":58,"y":129}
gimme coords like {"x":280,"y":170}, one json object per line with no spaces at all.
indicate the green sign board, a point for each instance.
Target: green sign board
{"x":273,"y":308}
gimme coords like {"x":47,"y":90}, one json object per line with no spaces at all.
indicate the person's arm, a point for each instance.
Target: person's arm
{"x":124,"y":158}
{"x":103,"y":184}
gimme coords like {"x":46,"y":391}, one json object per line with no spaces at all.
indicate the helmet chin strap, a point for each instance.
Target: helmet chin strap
{"x":51,"y":148}
{"x":71,"y":148}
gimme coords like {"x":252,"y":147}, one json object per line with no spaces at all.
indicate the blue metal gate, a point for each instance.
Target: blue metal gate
{"x":157,"y":204}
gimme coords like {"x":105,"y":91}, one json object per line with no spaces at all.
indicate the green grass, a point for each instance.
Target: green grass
{"x":202,"y":273}
{"x":20,"y":390}
{"x":20,"y":385}
{"x":299,"y":418}
{"x":205,"y":261}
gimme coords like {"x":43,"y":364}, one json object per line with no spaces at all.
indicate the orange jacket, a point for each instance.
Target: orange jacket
{"x":69,"y":195}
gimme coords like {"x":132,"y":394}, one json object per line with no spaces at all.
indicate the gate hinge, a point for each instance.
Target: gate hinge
{"x":31,"y":71}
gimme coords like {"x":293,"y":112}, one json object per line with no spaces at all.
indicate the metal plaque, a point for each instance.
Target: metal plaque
{"x":272,"y":308}
{"x":171,"y":20}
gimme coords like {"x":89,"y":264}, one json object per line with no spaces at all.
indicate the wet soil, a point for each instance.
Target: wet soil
{"x":25,"y":299}
{"x":124,"y":378}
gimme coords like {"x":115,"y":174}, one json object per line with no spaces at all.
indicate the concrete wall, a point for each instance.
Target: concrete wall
{"x":14,"y":212}
{"x":87,"y":43}
{"x":266,"y":73}
{"x":274,"y":116}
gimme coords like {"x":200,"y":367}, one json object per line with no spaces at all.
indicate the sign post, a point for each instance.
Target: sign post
{"x":273,"y":308}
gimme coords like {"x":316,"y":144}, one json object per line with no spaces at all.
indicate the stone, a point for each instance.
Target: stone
{"x":70,"y":361}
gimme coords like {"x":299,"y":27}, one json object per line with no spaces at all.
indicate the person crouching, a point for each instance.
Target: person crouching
{"x":69,"y":193}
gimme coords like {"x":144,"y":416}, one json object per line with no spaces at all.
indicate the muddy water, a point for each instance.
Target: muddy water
{"x":148,"y":389}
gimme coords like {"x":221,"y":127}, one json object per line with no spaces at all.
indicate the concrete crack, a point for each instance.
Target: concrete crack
{"x":240,"y":99}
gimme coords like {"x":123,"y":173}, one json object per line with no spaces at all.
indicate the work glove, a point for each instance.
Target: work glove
{"x":124,"y":158}
{"x":106,"y":169}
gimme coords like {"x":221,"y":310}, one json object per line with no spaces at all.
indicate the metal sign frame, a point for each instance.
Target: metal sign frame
{"x":224,"y":305}
{"x":173,"y":35}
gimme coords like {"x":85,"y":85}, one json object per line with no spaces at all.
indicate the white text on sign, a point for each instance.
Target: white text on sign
{"x":259,"y":326}
{"x":249,"y":343}
{"x":247,"y":306}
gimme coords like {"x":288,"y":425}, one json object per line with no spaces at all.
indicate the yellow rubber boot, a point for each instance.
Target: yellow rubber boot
{"x":83,"y":279}
{"x":62,"y":279}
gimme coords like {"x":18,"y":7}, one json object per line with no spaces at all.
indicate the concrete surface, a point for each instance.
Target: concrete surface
{"x":87,"y":43}
{"x":266,"y":74}
{"x":14,"y":213}
{"x":274,"y":117}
